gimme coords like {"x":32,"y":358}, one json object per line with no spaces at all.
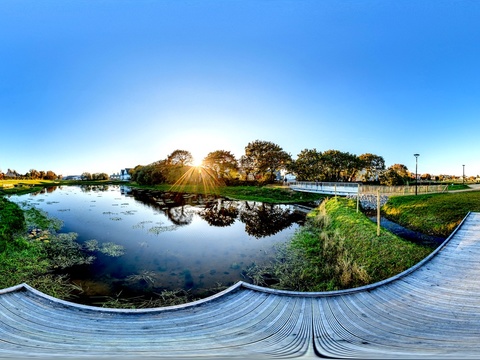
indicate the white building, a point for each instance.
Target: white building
{"x":125,"y":174}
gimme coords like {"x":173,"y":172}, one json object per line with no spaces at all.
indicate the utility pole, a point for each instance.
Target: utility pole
{"x":463,"y":181}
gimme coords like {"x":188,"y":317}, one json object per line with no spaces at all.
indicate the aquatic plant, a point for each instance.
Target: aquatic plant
{"x":157,"y":230}
{"x":91,"y":245}
{"x":36,"y":218}
{"x":141,"y":224}
{"x":63,"y":251}
{"x":163,"y":298}
{"x":145,"y":275}
{"x":112,"y":249}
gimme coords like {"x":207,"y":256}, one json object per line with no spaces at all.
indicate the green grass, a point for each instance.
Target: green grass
{"x":27,"y":258}
{"x":434,"y":214}
{"x":338,"y":248}
{"x":382,"y":256}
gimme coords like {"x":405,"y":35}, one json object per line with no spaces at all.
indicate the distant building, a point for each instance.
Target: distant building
{"x":12,"y":174}
{"x":125,"y":174}
{"x":72,"y":177}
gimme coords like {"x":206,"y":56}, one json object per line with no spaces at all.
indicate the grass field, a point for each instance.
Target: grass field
{"x":433,"y":214}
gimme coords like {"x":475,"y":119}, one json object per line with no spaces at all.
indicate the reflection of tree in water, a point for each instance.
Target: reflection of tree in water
{"x":178,"y":207}
{"x":88,"y":188}
{"x":261,"y":219}
{"x":220,"y":213}
{"x":266,"y":219}
{"x":180,"y":215}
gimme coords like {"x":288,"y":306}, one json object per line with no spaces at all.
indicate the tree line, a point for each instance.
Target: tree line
{"x":32,"y":174}
{"x":266,"y":162}
{"x":263,"y":162}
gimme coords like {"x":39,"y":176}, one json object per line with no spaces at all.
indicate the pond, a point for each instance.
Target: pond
{"x":171,"y":241}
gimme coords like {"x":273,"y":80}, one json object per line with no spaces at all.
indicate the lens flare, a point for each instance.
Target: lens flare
{"x":200,"y":177}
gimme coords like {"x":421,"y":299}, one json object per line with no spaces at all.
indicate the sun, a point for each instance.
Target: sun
{"x":197,"y":161}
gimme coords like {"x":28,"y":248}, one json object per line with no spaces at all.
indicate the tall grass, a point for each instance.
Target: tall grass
{"x":338,"y":248}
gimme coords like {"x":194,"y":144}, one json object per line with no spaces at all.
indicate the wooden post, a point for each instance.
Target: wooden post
{"x":358,"y":196}
{"x":335,"y":191}
{"x":378,"y":212}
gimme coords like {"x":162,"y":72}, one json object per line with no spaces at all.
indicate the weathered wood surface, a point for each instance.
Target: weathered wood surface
{"x":429,"y":311}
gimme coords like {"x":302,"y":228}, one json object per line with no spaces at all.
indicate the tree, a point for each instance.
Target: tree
{"x":267,"y":157}
{"x":247,"y":164}
{"x":221,"y":162}
{"x":50,"y":175}
{"x":373,"y":165}
{"x":350,"y":164}
{"x":150,"y":174}
{"x":33,"y":174}
{"x":396,"y":174}
{"x":340,"y":165}
{"x":86,"y":176}
{"x":100,"y":176}
{"x":180,"y":158}
{"x":309,"y":166}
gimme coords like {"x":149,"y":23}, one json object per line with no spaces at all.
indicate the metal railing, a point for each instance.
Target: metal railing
{"x":329,"y":188}
{"x":345,"y":189}
{"x":403,"y":190}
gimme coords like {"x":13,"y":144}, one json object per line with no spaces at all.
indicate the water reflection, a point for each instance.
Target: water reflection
{"x":260,"y":219}
{"x":172,"y":241}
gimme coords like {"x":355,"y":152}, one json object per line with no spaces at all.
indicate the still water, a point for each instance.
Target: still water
{"x":171,"y":241}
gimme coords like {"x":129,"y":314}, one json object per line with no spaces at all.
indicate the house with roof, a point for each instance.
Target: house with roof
{"x":125,"y":174}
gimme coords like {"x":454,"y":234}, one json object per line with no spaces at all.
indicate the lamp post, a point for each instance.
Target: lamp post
{"x":416,"y":172}
{"x":463,"y":178}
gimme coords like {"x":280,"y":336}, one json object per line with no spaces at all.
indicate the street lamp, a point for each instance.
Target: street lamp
{"x":463,"y":181}
{"x":416,"y":171}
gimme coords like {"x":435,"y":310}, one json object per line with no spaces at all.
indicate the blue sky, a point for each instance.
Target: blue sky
{"x":102,"y":85}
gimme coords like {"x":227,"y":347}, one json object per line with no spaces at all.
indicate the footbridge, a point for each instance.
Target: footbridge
{"x":329,"y":188}
{"x":432,"y":310}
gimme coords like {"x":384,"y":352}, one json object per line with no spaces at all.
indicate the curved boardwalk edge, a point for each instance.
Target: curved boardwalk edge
{"x":430,"y":310}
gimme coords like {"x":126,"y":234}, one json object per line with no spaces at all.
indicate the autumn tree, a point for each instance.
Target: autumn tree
{"x":100,"y":176}
{"x":33,"y":174}
{"x":86,"y":176}
{"x":50,"y":175}
{"x":180,"y":158}
{"x":222,"y":163}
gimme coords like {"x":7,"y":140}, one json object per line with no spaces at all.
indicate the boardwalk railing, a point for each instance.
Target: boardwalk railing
{"x":345,"y":189}
{"x":403,"y":190}
{"x":329,"y":188}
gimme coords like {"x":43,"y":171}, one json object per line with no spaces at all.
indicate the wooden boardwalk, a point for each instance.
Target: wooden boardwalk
{"x":430,"y":311}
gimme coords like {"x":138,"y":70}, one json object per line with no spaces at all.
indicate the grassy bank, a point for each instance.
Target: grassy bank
{"x":434,"y":214}
{"x":24,"y":258}
{"x":338,"y":248}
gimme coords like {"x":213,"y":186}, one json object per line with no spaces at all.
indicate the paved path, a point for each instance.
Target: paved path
{"x":430,"y":311}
